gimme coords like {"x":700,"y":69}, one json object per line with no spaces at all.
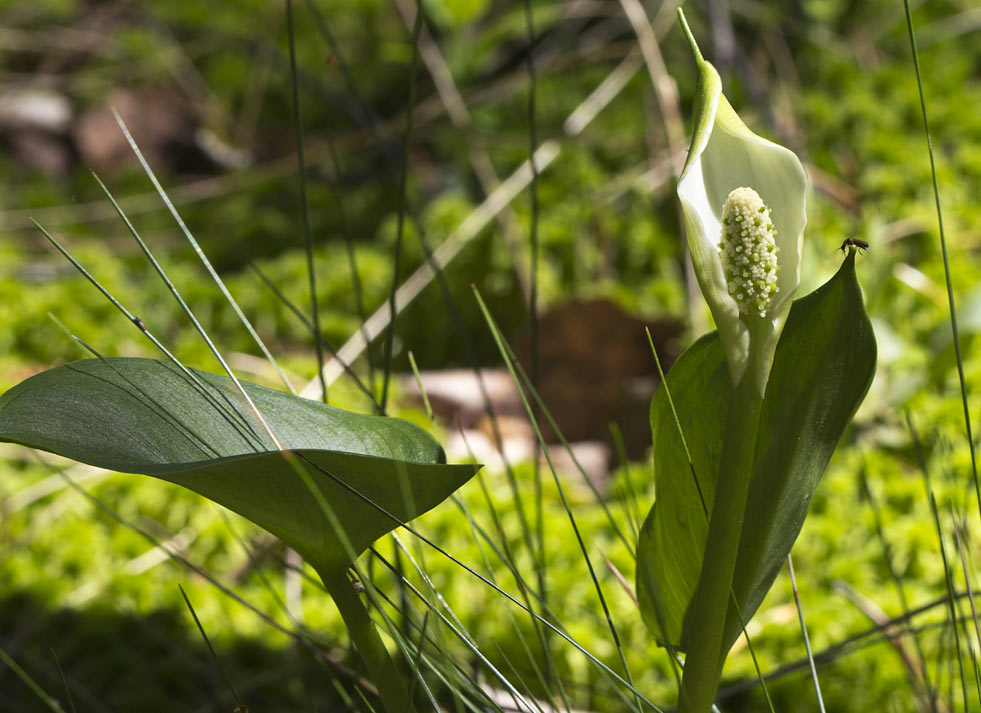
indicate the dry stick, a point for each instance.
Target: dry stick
{"x":477,"y":221}
{"x":149,"y":202}
{"x":427,"y":110}
{"x":456,"y":109}
{"x":847,"y":646}
{"x":732,"y":58}
{"x":480,"y":161}
{"x":723,"y":35}
{"x":664,"y":86}
{"x":667,"y":98}
{"x":896,"y":636}
{"x":424,"y":274}
{"x":75,"y":40}
{"x":50,"y":485}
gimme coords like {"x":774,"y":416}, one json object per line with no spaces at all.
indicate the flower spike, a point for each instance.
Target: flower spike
{"x":749,"y":251}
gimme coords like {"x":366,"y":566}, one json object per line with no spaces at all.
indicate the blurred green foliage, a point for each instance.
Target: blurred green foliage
{"x":831,"y":78}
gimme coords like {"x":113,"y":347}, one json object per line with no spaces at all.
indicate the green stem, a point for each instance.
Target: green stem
{"x":705,"y":621}
{"x":381,"y":668}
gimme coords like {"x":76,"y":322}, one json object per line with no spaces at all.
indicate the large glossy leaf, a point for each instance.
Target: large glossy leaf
{"x":823,"y":367}
{"x":145,"y":416}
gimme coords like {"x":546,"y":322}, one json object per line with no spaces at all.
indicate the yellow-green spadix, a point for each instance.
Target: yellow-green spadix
{"x":748,"y":248}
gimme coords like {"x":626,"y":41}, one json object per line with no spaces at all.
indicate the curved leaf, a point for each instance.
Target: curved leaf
{"x":822,"y":369}
{"x":145,"y":416}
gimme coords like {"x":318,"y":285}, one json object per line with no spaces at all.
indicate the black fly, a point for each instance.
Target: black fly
{"x":854,"y":243}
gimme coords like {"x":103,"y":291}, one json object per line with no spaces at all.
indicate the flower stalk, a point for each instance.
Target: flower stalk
{"x":706,"y":617}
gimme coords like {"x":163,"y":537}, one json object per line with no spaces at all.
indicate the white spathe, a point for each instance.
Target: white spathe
{"x":725,"y":155}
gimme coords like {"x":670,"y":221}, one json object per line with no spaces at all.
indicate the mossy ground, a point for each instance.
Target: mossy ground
{"x":833,"y":80}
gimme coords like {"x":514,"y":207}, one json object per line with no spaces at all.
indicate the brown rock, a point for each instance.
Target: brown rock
{"x":596,"y":368}
{"x":159,"y":119}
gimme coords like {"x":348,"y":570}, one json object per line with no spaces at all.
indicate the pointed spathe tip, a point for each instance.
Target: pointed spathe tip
{"x":691,"y":38}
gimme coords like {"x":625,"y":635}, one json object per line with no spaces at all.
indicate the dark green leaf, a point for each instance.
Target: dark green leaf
{"x":822,"y":369}
{"x":145,"y":416}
